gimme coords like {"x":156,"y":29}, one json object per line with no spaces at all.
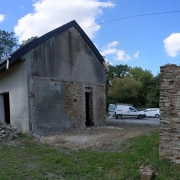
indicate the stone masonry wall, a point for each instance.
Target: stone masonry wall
{"x":100,"y":104}
{"x":169,"y":143}
{"x":75,"y":102}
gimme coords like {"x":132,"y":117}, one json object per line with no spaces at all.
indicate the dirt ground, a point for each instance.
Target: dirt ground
{"x":111,"y":137}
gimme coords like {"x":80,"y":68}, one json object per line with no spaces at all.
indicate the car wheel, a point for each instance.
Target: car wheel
{"x":140,"y":116}
{"x":119,"y":116}
{"x":157,"y":116}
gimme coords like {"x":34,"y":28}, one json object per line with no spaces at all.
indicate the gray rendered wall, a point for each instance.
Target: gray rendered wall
{"x":62,"y":68}
{"x":67,"y":57}
{"x":14,"y":82}
{"x":48,"y":115}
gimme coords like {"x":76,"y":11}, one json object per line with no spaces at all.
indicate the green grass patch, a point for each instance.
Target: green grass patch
{"x":28,"y":159}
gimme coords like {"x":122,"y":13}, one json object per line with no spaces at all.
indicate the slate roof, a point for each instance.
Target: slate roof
{"x":17,"y":55}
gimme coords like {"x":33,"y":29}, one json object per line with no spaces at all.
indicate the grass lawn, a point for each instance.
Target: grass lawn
{"x":28,"y":159}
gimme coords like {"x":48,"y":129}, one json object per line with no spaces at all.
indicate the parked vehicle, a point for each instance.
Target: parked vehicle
{"x":124,"y":110}
{"x":152,"y":112}
{"x":111,"y":109}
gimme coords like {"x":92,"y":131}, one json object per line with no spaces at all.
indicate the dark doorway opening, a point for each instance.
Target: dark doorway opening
{"x":6,"y":108}
{"x":89,"y":109}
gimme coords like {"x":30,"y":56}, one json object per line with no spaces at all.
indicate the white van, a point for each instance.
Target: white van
{"x":124,"y":110}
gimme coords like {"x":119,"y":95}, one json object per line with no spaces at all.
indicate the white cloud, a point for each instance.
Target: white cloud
{"x":122,"y":56}
{"x":136,"y":55}
{"x":49,"y":15}
{"x":111,"y":49}
{"x":2,"y":17}
{"x":172,"y":44}
{"x":113,"y":44}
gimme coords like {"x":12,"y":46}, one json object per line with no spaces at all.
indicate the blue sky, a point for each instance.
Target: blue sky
{"x":146,"y":41}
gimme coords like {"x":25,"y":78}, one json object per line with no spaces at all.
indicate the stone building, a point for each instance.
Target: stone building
{"x":54,"y":83}
{"x":169,"y":143}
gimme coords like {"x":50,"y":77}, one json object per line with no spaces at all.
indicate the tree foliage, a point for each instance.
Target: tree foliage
{"x":116,"y":71}
{"x":132,"y":85}
{"x":124,"y":89}
{"x":28,"y":41}
{"x":8,"y":44}
{"x":153,"y":94}
{"x":147,"y":80}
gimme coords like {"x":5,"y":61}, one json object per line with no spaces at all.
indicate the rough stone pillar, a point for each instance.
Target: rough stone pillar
{"x":169,"y":142}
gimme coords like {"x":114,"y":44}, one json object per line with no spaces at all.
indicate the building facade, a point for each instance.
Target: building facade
{"x":54,"y":83}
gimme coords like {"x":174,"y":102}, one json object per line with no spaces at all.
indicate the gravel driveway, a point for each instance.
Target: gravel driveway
{"x":111,"y":137}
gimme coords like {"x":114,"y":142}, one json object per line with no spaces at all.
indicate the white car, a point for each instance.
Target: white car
{"x":152,"y":112}
{"x":124,"y":110}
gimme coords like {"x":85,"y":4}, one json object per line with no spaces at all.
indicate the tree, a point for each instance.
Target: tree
{"x":124,"y":90}
{"x":115,"y":71}
{"x":154,"y":93}
{"x":28,"y":41}
{"x":147,"y":80}
{"x":144,"y":95}
{"x":8,"y":44}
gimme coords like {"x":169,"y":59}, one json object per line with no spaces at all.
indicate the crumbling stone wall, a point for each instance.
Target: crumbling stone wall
{"x":169,"y":144}
{"x":75,"y":102}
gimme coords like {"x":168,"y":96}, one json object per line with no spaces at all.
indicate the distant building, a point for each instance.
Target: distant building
{"x":54,"y":83}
